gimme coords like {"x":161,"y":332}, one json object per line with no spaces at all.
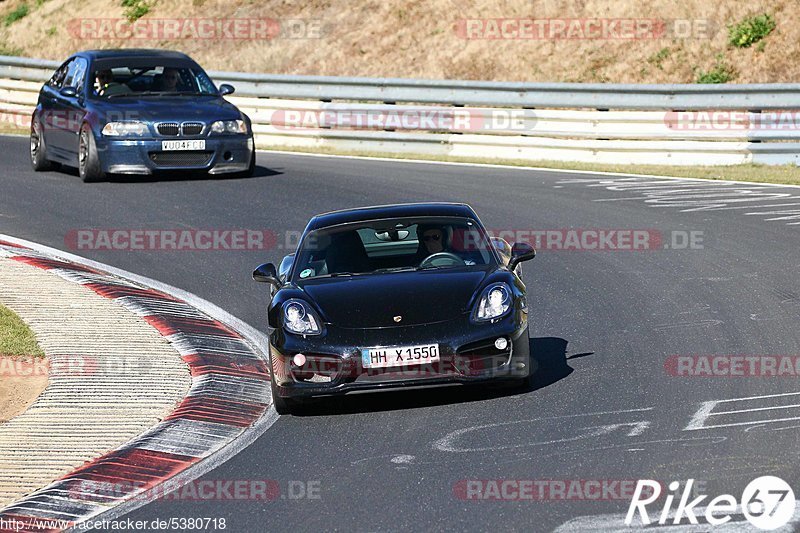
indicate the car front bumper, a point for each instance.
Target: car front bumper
{"x":222,"y":155}
{"x":333,"y":361}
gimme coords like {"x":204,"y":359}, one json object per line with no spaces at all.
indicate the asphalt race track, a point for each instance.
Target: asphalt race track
{"x":604,"y":326}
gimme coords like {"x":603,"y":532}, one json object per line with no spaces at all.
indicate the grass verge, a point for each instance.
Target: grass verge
{"x":11,"y":129}
{"x":21,"y":360}
{"x":783,"y":174}
{"x":16,"y":338}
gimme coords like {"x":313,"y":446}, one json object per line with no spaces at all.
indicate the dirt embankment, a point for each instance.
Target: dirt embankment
{"x":579,"y":40}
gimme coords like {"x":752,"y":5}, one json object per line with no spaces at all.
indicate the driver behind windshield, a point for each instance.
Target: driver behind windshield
{"x":106,"y":85}
{"x":432,"y":240}
{"x":168,"y":81}
{"x":435,"y":239}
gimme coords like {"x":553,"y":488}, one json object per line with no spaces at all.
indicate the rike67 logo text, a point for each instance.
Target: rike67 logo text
{"x":767,"y":503}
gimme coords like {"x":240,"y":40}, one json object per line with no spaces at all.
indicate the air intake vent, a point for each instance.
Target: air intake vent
{"x":181,"y":159}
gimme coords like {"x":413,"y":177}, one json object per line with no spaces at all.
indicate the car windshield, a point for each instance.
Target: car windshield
{"x":393,"y":245}
{"x":112,"y":80}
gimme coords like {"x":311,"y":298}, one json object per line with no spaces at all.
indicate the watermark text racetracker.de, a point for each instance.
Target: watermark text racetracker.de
{"x":243,"y":239}
{"x":733,"y":366}
{"x":136,"y":239}
{"x":201,"y":490}
{"x":782,"y":120}
{"x":213,"y":29}
{"x":607,"y":29}
{"x":545,"y":489}
{"x":603,"y":239}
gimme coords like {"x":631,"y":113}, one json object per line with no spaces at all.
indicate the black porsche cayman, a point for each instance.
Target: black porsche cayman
{"x":396,"y":296}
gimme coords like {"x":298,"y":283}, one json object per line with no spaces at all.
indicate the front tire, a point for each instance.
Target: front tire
{"x":283,"y":406}
{"x":39,"y":160}
{"x":88,"y":159}
{"x":523,"y":383}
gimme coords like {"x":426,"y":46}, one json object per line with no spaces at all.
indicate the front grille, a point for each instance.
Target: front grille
{"x":181,"y":159}
{"x":192,"y":128}
{"x":170,"y":129}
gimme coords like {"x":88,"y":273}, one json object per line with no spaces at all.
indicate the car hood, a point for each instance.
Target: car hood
{"x":374,"y":300}
{"x":165,"y":108}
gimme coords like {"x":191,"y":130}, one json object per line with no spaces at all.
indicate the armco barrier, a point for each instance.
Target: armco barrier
{"x":604,"y":123}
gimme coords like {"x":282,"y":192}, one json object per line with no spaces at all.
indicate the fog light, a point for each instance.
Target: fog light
{"x":299,"y":360}
{"x":501,"y":343}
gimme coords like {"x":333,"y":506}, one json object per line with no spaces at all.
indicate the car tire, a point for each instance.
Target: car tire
{"x":524,"y":383}
{"x":88,"y":159}
{"x":38,"y":150}
{"x":283,"y":406}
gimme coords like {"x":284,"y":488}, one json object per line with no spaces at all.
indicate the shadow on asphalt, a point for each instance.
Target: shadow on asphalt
{"x":261,"y":172}
{"x":548,"y":362}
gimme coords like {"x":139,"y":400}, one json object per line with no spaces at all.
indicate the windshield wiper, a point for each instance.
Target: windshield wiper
{"x":394,"y":269}
{"x":135,"y":94}
{"x":334,"y":275}
{"x":158,"y":93}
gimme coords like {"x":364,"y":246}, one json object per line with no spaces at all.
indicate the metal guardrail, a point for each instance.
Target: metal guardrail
{"x":504,"y":94}
{"x":610,"y":123}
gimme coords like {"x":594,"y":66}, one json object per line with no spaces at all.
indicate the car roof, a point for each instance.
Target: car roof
{"x":360,"y":214}
{"x":133,"y":52}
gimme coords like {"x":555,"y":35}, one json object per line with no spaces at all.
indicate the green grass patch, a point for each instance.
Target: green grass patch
{"x":658,"y":58}
{"x":16,"y":338}
{"x":750,"y":31}
{"x":719,"y":73}
{"x":6,"y":50}
{"x":136,"y":9}
{"x":784,"y":174}
{"x":20,"y":12}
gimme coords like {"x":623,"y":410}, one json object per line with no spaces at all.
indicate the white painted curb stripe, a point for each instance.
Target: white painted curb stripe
{"x":218,"y":453}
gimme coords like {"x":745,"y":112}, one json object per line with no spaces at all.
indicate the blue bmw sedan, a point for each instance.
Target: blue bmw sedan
{"x":138,"y":112}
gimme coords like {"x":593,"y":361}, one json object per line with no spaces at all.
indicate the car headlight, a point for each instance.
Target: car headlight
{"x":229,"y":126}
{"x":298,"y":317}
{"x":495,"y":301}
{"x":125,"y":129}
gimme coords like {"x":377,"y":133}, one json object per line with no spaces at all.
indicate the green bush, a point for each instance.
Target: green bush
{"x":751,"y":30}
{"x":19,"y":13}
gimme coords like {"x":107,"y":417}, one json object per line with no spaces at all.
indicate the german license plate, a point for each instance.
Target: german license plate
{"x":394,"y":356}
{"x":171,"y":146}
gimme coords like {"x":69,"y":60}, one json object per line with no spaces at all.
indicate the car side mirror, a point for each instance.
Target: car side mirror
{"x":226,"y":89}
{"x":266,"y":273}
{"x":68,"y":92}
{"x":521,"y":251}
